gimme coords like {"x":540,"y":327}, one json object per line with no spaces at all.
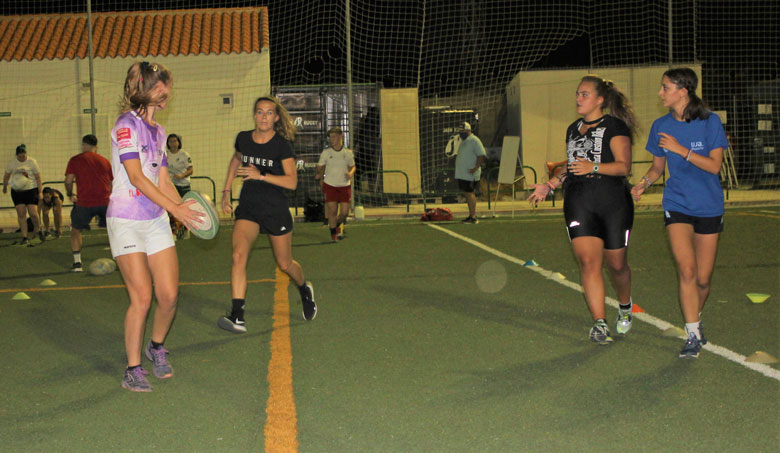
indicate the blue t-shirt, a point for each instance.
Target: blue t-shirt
{"x":468,"y":152}
{"x":689,"y":189}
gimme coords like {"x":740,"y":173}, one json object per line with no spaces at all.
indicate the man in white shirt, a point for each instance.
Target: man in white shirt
{"x":468,"y":167}
{"x":337,"y":165}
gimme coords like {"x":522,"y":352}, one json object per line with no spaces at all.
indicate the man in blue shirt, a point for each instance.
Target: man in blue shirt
{"x":471,"y":156}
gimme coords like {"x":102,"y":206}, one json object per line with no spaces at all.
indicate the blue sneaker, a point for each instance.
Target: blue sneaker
{"x":692,"y":347}
{"x":135,"y":380}
{"x":158,"y":357}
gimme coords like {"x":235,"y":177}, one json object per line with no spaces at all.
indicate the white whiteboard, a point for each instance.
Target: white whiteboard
{"x":509,"y":150}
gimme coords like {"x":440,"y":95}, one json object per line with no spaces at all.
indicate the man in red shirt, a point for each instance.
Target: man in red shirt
{"x":92,"y":174}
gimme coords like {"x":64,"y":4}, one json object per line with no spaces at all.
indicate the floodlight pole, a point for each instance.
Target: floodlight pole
{"x":91,"y":75}
{"x":348,"y":25}
{"x":670,"y":32}
{"x":350,"y":130}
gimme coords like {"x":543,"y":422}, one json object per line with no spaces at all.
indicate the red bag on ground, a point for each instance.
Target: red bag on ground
{"x":436,"y":215}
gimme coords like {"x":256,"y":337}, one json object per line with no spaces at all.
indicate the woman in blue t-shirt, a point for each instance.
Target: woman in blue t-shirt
{"x":689,"y":139}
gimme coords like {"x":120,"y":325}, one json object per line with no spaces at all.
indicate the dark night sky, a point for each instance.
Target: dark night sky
{"x":472,"y":44}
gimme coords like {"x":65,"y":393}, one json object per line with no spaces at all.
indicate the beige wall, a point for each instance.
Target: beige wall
{"x":542,"y":102}
{"x":47,"y":99}
{"x":400,"y":139}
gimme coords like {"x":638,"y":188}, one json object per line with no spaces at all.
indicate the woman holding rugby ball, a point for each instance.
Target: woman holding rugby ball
{"x":138,"y":230}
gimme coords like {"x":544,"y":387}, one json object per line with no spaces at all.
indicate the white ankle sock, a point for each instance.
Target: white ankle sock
{"x":693,"y":327}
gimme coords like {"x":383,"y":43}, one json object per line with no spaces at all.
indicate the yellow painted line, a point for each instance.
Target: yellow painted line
{"x":759,"y":215}
{"x":77,"y":288}
{"x":281,"y":425}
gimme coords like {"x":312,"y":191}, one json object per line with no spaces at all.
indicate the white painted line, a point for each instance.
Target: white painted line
{"x":652,"y":320}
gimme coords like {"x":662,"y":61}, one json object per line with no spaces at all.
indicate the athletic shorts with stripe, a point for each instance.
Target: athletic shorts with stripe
{"x":599,"y":206}
{"x":273,"y":220}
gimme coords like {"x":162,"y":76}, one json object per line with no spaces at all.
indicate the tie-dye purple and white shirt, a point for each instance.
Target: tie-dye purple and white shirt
{"x":132,"y":138}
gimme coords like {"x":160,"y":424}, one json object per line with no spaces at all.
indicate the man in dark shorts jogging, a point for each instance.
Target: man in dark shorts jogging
{"x":92,"y":174}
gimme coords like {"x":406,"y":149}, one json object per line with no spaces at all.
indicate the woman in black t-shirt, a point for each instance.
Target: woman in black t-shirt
{"x":266,"y":161}
{"x":598,"y":207}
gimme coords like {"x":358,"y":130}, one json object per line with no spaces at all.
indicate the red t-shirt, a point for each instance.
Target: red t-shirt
{"x":93,"y":178}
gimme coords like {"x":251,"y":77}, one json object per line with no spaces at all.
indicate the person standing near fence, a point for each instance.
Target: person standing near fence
{"x":138,"y":229}
{"x":51,"y":201}
{"x":468,"y":167}
{"x":337,"y":165}
{"x":92,"y":174}
{"x":264,"y":158}
{"x":598,"y":208}
{"x":26,"y":187}
{"x":690,"y":140}
{"x":180,"y":168}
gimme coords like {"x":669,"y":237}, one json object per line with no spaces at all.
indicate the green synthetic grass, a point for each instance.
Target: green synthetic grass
{"x":407,"y":353}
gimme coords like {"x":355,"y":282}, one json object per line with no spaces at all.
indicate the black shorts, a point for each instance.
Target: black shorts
{"x":701,"y":225}
{"x":24,"y":196}
{"x":81,"y":216}
{"x":182,"y":189}
{"x":467,"y":186}
{"x":601,"y":207}
{"x":276,"y":221}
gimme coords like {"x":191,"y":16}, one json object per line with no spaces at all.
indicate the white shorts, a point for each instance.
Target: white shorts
{"x":139,"y":236}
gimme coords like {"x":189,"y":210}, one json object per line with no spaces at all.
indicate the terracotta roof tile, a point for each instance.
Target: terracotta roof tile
{"x":134,"y":34}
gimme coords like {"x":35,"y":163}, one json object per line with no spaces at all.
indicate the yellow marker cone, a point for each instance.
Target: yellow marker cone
{"x":47,"y":282}
{"x":20,"y":296}
{"x":757,"y":298}
{"x":674,"y":332}
{"x":761,"y":357}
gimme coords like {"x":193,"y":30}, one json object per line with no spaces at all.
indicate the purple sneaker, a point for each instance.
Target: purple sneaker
{"x":135,"y":380}
{"x":158,"y":357}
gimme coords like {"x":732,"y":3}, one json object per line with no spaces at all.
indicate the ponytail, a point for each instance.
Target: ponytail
{"x":686,"y":78}
{"x":615,"y":101}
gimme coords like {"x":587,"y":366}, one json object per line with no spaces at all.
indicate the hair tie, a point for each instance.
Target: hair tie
{"x":154,"y":68}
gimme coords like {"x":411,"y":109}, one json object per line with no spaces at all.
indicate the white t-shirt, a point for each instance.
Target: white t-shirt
{"x":22,"y":174}
{"x":178,"y":163}
{"x":337,"y":164}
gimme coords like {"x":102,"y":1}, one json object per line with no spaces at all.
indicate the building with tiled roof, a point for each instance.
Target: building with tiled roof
{"x":134,"y":34}
{"x":219,"y":59}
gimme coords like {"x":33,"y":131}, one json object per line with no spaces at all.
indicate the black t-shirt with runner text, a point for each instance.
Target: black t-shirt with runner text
{"x":594,"y":146}
{"x":266,"y":157}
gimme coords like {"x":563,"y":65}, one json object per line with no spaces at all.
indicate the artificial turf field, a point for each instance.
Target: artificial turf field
{"x":420,"y":344}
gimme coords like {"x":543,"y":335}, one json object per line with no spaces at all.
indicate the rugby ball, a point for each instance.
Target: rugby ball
{"x":19,"y":181}
{"x":102,"y":266}
{"x":209,"y":227}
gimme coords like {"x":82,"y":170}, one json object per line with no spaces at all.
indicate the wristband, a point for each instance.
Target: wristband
{"x":688,"y":157}
{"x":647,"y":181}
{"x":552,"y":187}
